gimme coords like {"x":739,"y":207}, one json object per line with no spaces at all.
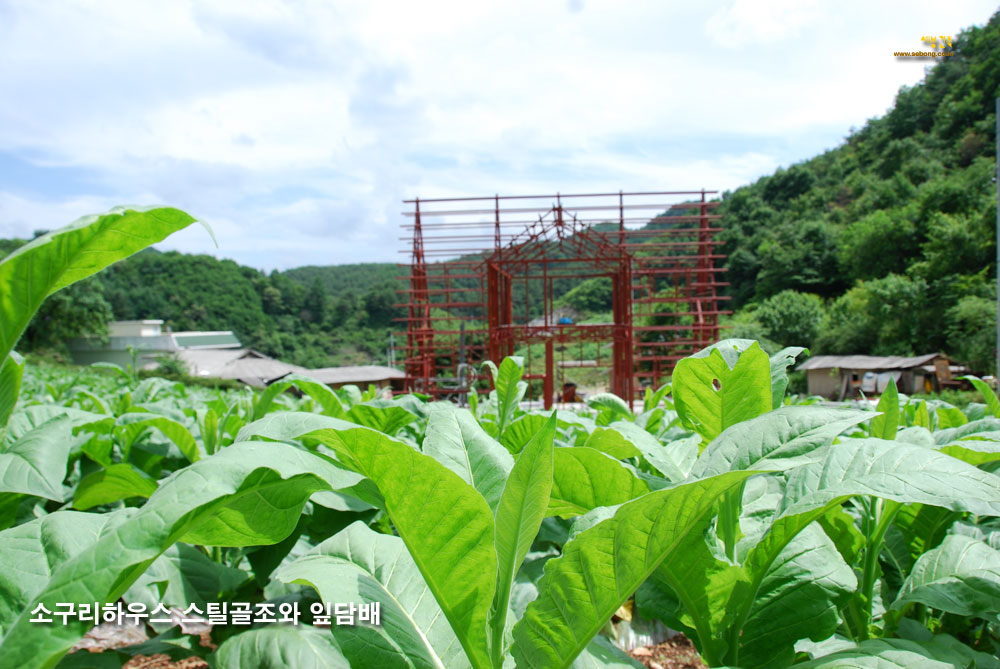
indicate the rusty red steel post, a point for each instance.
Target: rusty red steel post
{"x":548,"y":385}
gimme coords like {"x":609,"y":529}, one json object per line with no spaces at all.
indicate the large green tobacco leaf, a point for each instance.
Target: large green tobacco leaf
{"x":281,"y":647}
{"x":189,"y":576}
{"x":948,"y":417}
{"x":871,"y":467}
{"x":624,"y":440}
{"x":287,"y":426}
{"x":915,"y":529}
{"x":574,"y":429}
{"x":23,"y":422}
{"x":382,"y":415}
{"x":942,"y":652}
{"x":455,"y":439}
{"x":446,"y":524}
{"x":119,"y":481}
{"x":904,"y":473}
{"x":798,"y":599}
{"x":961,"y":576}
{"x":521,"y":431}
{"x":611,"y":408}
{"x":781,"y":439}
{"x":780,"y":362}
{"x":586,"y":479}
{"x":130,"y":427}
{"x":712,"y":392}
{"x":719,"y":598}
{"x":988,"y":426}
{"x":973,"y":451}
{"x":360,"y":565}
{"x":35,"y":464}
{"x":613,"y":442}
{"x":319,"y":392}
{"x":992,"y":403}
{"x":508,"y":390}
{"x":11,"y":370}
{"x":249,"y":494}
{"x":57,"y":259}
{"x":33,"y":551}
{"x":603,"y":565}
{"x":893,"y":470}
{"x":518,"y":517}
{"x":884,"y":426}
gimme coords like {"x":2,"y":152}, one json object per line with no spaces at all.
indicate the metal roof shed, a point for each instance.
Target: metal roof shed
{"x":360,"y":375}
{"x":246,"y":365}
{"x":841,"y":375}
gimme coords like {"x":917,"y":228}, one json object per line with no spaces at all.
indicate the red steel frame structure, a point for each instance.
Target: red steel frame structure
{"x":474,"y":262}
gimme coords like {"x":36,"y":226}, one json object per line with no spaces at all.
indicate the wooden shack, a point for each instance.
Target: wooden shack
{"x":844,"y":376}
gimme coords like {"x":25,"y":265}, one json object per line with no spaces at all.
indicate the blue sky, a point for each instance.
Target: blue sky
{"x":296,"y":128}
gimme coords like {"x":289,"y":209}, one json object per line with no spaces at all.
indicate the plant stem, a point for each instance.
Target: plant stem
{"x":496,"y":622}
{"x":856,"y":621}
{"x":879,"y":515}
{"x":729,"y":520}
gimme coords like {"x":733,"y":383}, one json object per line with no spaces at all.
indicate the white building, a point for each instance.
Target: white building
{"x":149,"y":340}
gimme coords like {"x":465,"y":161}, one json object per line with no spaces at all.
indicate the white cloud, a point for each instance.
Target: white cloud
{"x":744,"y":22}
{"x":295,"y":128}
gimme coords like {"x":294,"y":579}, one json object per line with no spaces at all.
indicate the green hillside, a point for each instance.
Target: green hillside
{"x":358,"y":278}
{"x":886,"y":244}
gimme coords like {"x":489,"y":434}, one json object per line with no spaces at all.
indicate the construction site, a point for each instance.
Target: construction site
{"x":484,"y":273}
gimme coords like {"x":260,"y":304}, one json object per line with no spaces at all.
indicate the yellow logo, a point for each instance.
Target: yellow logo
{"x":940,"y":46}
{"x":941,"y":41}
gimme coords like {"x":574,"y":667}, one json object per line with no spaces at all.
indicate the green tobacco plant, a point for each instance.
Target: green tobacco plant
{"x":469,"y":550}
{"x":466,"y":551}
{"x":58,"y":259}
{"x":769,"y":551}
{"x":772,"y":534}
{"x":214,"y":502}
{"x":508,"y":390}
{"x":721,"y":386}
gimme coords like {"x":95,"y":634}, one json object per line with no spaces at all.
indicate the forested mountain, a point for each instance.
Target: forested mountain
{"x":886,"y":244}
{"x":883,"y":245}
{"x":359,"y":278}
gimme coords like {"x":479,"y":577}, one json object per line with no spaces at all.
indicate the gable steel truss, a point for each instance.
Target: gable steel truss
{"x":483,"y":270}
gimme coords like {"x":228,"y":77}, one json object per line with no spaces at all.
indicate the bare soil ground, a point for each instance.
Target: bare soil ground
{"x":164,"y":662}
{"x":675,"y":653}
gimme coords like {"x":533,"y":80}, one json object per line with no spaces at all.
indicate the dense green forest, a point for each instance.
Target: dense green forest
{"x":883,"y":245}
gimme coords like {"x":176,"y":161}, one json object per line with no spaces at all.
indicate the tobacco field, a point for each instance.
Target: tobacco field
{"x":772,"y":533}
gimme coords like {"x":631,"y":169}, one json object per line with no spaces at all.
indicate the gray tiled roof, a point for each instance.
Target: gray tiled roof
{"x":866,"y":362}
